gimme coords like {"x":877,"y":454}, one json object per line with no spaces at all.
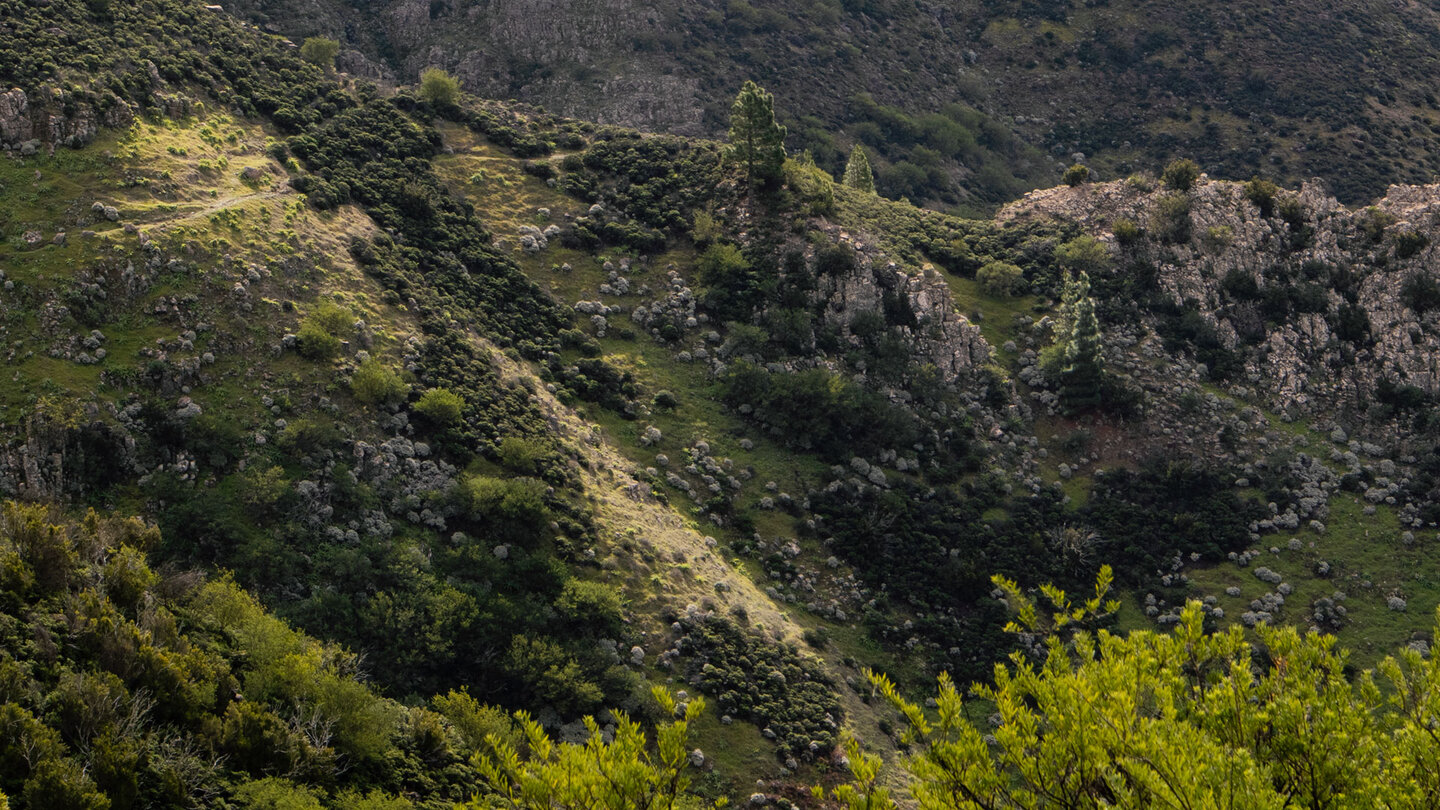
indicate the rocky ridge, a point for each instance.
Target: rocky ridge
{"x":1299,"y":361}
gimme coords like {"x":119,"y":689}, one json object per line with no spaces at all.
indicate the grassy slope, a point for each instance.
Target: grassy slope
{"x":153,"y":174}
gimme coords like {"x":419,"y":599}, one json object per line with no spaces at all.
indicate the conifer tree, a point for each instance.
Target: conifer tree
{"x":756,"y":141}
{"x":1081,"y":380}
{"x":857,"y":171}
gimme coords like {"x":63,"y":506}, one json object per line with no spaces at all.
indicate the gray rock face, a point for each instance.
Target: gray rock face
{"x":15,"y":125}
{"x":48,"y":465}
{"x":65,"y":119}
{"x":942,"y":336}
{"x":482,"y":44}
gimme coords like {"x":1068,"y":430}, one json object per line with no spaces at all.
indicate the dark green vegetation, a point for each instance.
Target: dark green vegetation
{"x":105,"y":54}
{"x":969,"y":105}
{"x":770,"y":686}
{"x":127,"y":686}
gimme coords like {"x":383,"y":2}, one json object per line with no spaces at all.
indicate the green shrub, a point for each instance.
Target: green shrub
{"x":1181,"y":174}
{"x":665,"y":401}
{"x":515,"y":499}
{"x":1126,"y":231}
{"x":1262,"y":193}
{"x":1293,"y":212}
{"x":1083,"y":254}
{"x":522,"y":455}
{"x":734,"y":289}
{"x":273,"y":793}
{"x":438,"y":87}
{"x":768,"y":684}
{"x":705,"y":229}
{"x":314,"y":343}
{"x":1171,"y":219}
{"x":333,"y":318}
{"x":1420,"y":292}
{"x":321,"y":331}
{"x":307,"y":435}
{"x":1141,"y":181}
{"x":817,"y":410}
{"x":475,"y":721}
{"x":593,"y":604}
{"x":1001,"y":279}
{"x":1408,"y":243}
{"x":1076,"y":175}
{"x":375,"y":383}
{"x":319,"y":51}
{"x":817,"y":637}
{"x":61,"y":783}
{"x":1374,"y":222}
{"x":441,"y":406}
{"x":1219,"y":237}
{"x":550,"y":675}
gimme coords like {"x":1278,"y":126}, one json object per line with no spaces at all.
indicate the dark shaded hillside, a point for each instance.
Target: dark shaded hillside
{"x":954,"y":97}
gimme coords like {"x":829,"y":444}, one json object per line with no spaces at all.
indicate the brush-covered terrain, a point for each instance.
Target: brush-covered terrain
{"x":966,"y":104}
{"x":339,"y":422}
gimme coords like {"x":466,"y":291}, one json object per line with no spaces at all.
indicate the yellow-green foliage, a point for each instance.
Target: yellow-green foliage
{"x":276,"y":794}
{"x":321,"y":331}
{"x":134,"y":694}
{"x":1001,"y":279}
{"x":1181,"y":720}
{"x":319,"y":51}
{"x":812,"y":185}
{"x":438,"y":87}
{"x":288,"y":667}
{"x":1181,"y":174}
{"x":1126,"y":231}
{"x":585,"y":602}
{"x":441,"y":406}
{"x":518,"y":499}
{"x":375,"y":383}
{"x":625,"y":773}
{"x":522,"y":455}
{"x":1076,"y":175}
{"x":475,"y":722}
{"x":333,"y":318}
{"x":1083,"y":254}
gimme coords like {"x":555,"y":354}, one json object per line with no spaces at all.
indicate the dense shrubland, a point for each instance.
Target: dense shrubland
{"x":131,"y":686}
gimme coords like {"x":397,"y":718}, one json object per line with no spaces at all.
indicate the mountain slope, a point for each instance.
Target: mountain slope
{"x":547,"y":410}
{"x":1323,"y":89}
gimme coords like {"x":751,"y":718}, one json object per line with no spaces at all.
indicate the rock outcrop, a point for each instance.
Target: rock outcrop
{"x":936,"y":331}
{"x":57,"y":118}
{"x":1324,"y":304}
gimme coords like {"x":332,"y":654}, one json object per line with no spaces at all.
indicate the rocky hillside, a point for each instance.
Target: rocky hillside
{"x":516,"y":411}
{"x":947,"y":93}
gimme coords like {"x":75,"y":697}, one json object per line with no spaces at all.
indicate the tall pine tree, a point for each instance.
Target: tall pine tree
{"x":1082,"y":379}
{"x":857,"y":171}
{"x":756,"y":142}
